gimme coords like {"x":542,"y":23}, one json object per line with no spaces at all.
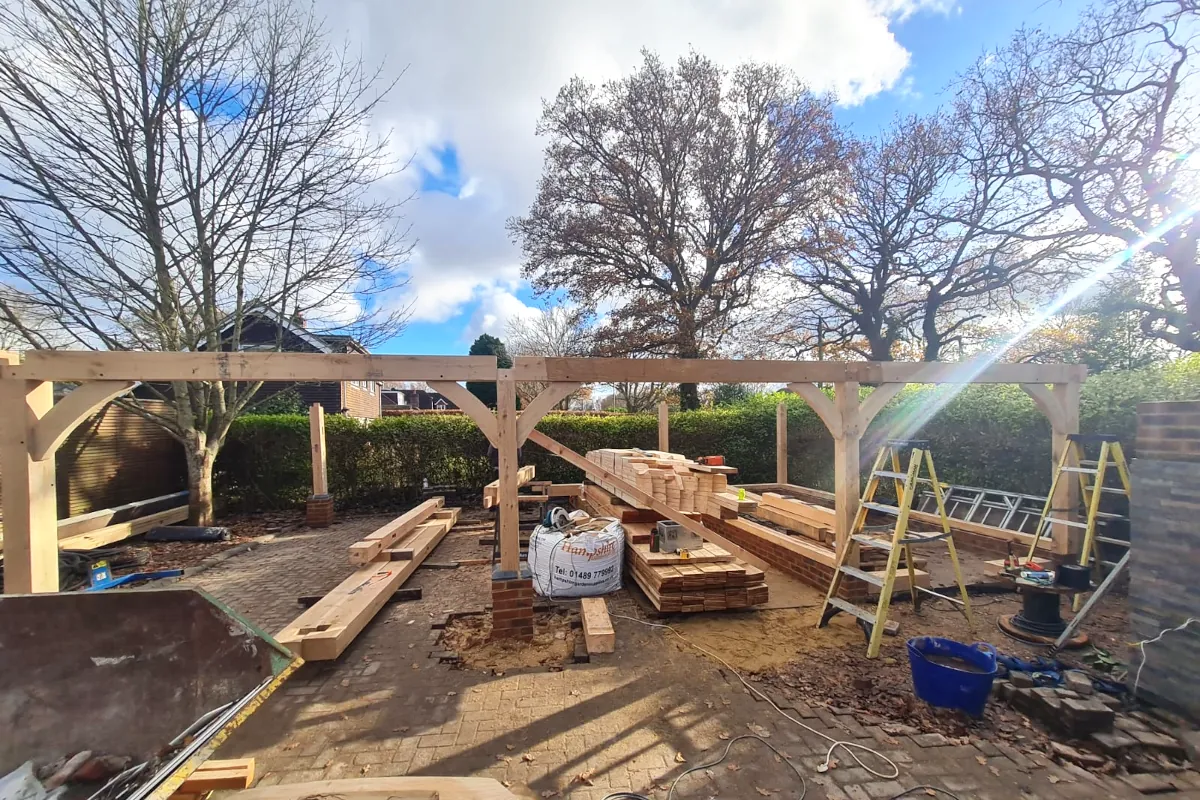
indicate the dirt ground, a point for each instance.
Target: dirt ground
{"x":553,"y":642}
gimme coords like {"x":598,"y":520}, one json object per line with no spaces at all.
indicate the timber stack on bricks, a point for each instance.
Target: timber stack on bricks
{"x":327,"y":628}
{"x":675,"y":480}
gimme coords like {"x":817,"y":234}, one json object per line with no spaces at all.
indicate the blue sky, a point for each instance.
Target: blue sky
{"x":472,"y":172}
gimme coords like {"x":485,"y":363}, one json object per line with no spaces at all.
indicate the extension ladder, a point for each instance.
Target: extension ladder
{"x":901,"y":541}
{"x":1091,"y":489}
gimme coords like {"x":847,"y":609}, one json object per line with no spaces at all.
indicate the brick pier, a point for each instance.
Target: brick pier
{"x":512,"y":604}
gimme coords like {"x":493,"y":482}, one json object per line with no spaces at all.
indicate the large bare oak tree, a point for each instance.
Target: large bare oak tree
{"x":1106,"y":119}
{"x":167,"y":167}
{"x":666,"y":193}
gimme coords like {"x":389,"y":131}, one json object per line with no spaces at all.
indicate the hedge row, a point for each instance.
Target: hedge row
{"x":989,"y":436}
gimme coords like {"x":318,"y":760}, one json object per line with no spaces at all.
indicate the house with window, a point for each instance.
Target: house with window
{"x":402,"y":399}
{"x":264,"y":332}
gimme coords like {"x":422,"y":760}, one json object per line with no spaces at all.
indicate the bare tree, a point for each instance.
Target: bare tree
{"x":928,"y":237}
{"x":556,"y":331}
{"x":669,"y":191}
{"x":168,"y":167}
{"x":640,"y":397}
{"x":1105,"y":119}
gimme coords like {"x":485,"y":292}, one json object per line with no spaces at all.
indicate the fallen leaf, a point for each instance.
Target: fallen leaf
{"x":584,"y":777}
{"x":981,"y":760}
{"x":761,"y":791}
{"x":510,"y":747}
{"x":574,"y":693}
{"x":414,"y":666}
{"x":506,"y":784}
{"x":995,"y":771}
{"x":451,"y":694}
{"x":528,"y":757}
{"x":400,"y":730}
{"x":733,"y":767}
{"x":1054,"y":779}
{"x":679,"y":759}
{"x":759,"y":730}
{"x":723,"y":736}
{"x":931,"y":792}
{"x":549,"y":793}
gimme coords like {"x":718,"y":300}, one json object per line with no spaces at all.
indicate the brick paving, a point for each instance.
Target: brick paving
{"x":632,"y":720}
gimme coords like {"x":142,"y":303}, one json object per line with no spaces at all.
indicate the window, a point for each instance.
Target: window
{"x":371,"y":387}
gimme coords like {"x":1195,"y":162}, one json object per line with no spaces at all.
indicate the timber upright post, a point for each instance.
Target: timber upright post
{"x":512,"y":582}
{"x":319,"y":510}
{"x":29,"y":497}
{"x":781,"y":462}
{"x":664,"y":428}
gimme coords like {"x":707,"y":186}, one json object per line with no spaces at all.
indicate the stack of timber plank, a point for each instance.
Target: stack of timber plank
{"x":491,"y":492}
{"x":811,"y":521}
{"x":385,"y":560}
{"x":708,"y":579}
{"x":673,"y":479}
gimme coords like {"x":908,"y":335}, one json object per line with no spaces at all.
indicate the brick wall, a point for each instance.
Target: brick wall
{"x":1169,"y":431}
{"x":1164,"y":590}
{"x":361,"y":399}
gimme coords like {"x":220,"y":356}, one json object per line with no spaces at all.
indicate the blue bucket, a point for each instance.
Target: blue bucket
{"x":940,"y":684}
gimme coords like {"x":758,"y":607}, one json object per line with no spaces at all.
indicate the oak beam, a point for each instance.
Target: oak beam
{"x":1066,"y":538}
{"x":546,"y":400}
{"x":847,"y":466}
{"x":671,"y":370}
{"x":470,"y":405}
{"x":821,"y":405}
{"x":79,"y":404}
{"x":67,"y":365}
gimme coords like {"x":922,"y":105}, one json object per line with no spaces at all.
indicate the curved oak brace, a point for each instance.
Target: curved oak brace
{"x":549,"y":397}
{"x":821,"y":404}
{"x":875,"y":402}
{"x":470,"y":405}
{"x":1048,"y":403}
{"x":83,"y":401}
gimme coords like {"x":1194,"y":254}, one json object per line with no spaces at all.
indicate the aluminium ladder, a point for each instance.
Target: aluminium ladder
{"x":906,"y":485}
{"x":1092,"y":475}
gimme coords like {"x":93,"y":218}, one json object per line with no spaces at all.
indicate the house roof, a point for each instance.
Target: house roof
{"x":321,"y":342}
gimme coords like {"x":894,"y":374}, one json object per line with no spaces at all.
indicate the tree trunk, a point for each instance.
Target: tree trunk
{"x":933,"y":337}
{"x":200,"y":461}
{"x":689,"y":395}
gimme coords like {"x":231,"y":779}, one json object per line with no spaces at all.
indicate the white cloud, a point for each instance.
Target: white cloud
{"x":476,"y":73}
{"x":496,"y":307}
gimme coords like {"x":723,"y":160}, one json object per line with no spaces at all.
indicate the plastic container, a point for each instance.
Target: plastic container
{"x":940,"y":681}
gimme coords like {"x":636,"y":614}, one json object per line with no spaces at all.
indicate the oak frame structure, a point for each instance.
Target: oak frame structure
{"x":32,"y":425}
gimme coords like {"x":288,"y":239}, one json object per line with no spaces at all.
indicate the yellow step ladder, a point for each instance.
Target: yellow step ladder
{"x":901,"y":540}
{"x":1092,"y":488}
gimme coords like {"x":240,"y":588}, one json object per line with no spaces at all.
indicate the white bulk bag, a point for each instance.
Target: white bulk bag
{"x":577,"y":558}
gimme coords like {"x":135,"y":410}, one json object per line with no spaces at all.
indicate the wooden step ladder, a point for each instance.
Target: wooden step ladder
{"x":900,"y":542}
{"x":1092,"y":488}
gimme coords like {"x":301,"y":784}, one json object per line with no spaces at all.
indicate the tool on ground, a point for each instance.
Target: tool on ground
{"x":1092,"y":488}
{"x":1101,"y":590}
{"x":101,"y":577}
{"x":900,"y":543}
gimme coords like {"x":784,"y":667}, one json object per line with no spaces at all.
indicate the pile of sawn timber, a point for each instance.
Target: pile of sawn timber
{"x":673,"y":479}
{"x":709,"y":579}
{"x":385,"y":560}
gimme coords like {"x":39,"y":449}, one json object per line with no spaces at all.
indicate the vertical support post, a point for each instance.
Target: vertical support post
{"x":1067,"y":539}
{"x":664,"y":429}
{"x":316,"y":434}
{"x":847,"y":468}
{"x":512,"y":583}
{"x":30,"y":502}
{"x":318,"y":512}
{"x":781,"y":457}
{"x":506,"y":423}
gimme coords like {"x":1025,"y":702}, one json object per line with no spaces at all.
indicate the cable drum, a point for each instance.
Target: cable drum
{"x":576,"y":555}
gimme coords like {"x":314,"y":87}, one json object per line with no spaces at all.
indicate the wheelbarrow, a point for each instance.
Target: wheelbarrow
{"x":161,"y":676}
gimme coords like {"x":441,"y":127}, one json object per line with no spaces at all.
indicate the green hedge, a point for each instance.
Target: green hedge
{"x":989,"y":436}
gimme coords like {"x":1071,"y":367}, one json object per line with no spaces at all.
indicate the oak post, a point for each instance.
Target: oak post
{"x":664,"y":429}
{"x":781,"y":462}
{"x":316,"y":434}
{"x":846,"y":462}
{"x":1066,"y":538}
{"x":506,"y":425}
{"x":29,"y":498}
